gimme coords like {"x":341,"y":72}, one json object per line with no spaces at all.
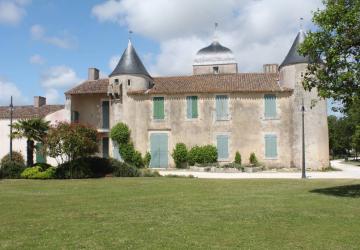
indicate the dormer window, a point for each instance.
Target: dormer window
{"x":129,"y":82}
{"x":116,"y":81}
{"x":216,"y":70}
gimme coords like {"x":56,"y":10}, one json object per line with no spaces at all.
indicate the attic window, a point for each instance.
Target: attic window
{"x":116,"y":81}
{"x":129,"y":82}
{"x":216,"y":70}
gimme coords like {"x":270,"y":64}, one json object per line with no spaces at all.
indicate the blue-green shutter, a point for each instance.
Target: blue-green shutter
{"x":158,"y":106}
{"x":40,"y":153}
{"x":222,"y":146}
{"x":270,"y":106}
{"x":270,"y":146}
{"x":159,"y":150}
{"x":222,"y":107}
{"x":192,"y":107}
{"x":106,"y":114}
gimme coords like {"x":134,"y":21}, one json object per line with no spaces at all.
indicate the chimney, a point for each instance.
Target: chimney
{"x":271,"y":68}
{"x":39,"y":101}
{"x":93,"y":74}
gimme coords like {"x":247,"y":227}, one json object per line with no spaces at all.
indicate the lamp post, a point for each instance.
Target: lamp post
{"x":11,"y":120}
{"x":303,"y":170}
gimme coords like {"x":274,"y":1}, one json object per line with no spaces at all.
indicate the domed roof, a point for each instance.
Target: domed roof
{"x":293,"y":57}
{"x":130,"y":63}
{"x":215,"y":53}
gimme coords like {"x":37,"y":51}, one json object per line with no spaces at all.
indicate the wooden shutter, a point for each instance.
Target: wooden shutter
{"x":105,"y":147}
{"x":191,"y":107}
{"x":270,"y":106}
{"x":158,"y":107}
{"x":223,"y":146}
{"x":222,"y":107}
{"x":40,"y":153}
{"x":270,"y":146}
{"x":105,"y":114}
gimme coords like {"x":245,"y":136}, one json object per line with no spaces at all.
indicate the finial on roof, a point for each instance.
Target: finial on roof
{"x":301,"y":23}
{"x":215,"y":31}
{"x":130,"y":33}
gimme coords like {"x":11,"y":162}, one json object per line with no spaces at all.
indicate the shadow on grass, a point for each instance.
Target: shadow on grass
{"x":351,"y":191}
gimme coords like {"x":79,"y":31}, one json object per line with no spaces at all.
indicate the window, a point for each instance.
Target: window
{"x":116,"y":81}
{"x":75,"y":116}
{"x":158,"y":112}
{"x":40,"y":153}
{"x":270,"y":106}
{"x":216,"y":70}
{"x":105,"y":147}
{"x":222,"y":145}
{"x":105,"y":114}
{"x":129,"y":82}
{"x":192,"y":107}
{"x":222,"y":107}
{"x":270,"y":146}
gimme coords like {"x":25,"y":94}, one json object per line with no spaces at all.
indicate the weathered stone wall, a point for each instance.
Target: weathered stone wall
{"x":209,"y":69}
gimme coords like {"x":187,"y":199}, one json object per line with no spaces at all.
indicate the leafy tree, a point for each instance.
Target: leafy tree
{"x":34,"y":130}
{"x":337,"y":43}
{"x":356,"y":140}
{"x":68,"y":142}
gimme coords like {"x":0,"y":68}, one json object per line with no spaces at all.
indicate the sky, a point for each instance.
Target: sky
{"x":46,"y":46}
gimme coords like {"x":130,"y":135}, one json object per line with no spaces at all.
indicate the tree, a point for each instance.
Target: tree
{"x":34,"y":130}
{"x":67,"y":142}
{"x":356,"y":140}
{"x":337,"y":43}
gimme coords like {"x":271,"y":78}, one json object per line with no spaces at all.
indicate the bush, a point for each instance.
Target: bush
{"x":11,"y":169}
{"x":147,"y":159}
{"x":122,"y":169}
{"x":88,"y":167}
{"x":43,"y":166}
{"x":120,"y":133}
{"x":16,"y":157}
{"x":149,"y":173}
{"x":180,"y":155}
{"x":38,"y":173}
{"x":233,"y":165}
{"x":202,"y":155}
{"x":253,"y":159}
{"x":137,"y":160}
{"x":237,"y":158}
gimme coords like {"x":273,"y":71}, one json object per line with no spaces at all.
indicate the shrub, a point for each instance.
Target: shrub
{"x":233,"y":165}
{"x":149,"y":173}
{"x":88,"y":167}
{"x":147,"y":159}
{"x":137,"y":160}
{"x":43,"y":166}
{"x":16,"y":157}
{"x":11,"y":169}
{"x":120,"y":133}
{"x":202,"y":155}
{"x":237,"y":158}
{"x":38,"y":173}
{"x":122,"y":169}
{"x":180,"y":155}
{"x":253,"y":159}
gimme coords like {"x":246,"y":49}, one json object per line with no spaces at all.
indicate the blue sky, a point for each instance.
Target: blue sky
{"x":47,"y":46}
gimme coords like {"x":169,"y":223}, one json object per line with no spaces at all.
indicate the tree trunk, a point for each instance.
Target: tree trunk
{"x":30,"y":153}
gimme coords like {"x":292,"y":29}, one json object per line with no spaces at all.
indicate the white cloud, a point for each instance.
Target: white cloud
{"x":52,"y":96}
{"x":12,"y":11}
{"x":114,"y":61}
{"x":59,"y":76}
{"x":257,"y":31}
{"x":65,"y":40}
{"x":9,"y":89}
{"x":36,"y":59}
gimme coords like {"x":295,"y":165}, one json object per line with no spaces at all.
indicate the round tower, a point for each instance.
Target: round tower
{"x":292,"y":72}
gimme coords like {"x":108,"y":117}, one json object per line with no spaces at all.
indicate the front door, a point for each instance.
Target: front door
{"x":159,"y":150}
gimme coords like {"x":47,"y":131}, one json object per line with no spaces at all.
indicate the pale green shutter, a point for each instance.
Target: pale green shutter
{"x":222,"y":107}
{"x":222,"y":142}
{"x":40,"y":153}
{"x":270,"y":106}
{"x":159,"y":112}
{"x":270,"y":146}
{"x":192,"y":107}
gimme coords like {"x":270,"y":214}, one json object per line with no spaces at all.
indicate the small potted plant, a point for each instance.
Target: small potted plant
{"x":254,"y":165}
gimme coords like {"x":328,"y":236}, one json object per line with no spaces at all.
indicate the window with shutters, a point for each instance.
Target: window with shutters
{"x":222,"y":145}
{"x":222,"y":107}
{"x":158,"y":108}
{"x":270,"y":106}
{"x":192,"y":107}
{"x":105,"y":114}
{"x":271,"y":151}
{"x":105,"y":147}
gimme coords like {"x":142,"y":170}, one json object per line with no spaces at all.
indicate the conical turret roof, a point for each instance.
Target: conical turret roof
{"x":130,"y":63}
{"x":293,"y":57}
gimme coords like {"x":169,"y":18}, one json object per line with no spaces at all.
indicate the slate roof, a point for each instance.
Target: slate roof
{"x":26,"y":112}
{"x":130,"y":63}
{"x":222,"y":83}
{"x":293,"y":57}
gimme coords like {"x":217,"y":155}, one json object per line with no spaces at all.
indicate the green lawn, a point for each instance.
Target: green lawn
{"x":179,"y":213}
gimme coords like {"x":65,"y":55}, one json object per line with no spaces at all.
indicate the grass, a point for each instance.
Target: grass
{"x":179,"y":213}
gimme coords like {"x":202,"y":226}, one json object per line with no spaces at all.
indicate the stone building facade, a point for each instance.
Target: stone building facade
{"x":245,"y":112}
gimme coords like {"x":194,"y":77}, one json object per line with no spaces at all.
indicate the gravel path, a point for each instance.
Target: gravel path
{"x":348,"y":172}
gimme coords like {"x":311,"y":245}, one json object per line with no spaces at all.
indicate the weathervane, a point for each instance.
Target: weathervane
{"x":301,"y":23}
{"x":215,"y":31}
{"x":130,"y":32}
